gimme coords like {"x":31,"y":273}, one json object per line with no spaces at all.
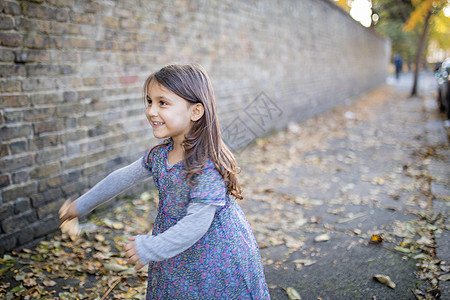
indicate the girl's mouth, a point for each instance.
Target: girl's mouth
{"x":157,"y":124}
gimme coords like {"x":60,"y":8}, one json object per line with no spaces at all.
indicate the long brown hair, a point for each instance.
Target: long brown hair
{"x":191,"y":82}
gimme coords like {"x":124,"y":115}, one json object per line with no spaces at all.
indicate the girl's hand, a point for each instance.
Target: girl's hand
{"x":68,"y":212}
{"x":131,"y":254}
{"x":68,"y":216}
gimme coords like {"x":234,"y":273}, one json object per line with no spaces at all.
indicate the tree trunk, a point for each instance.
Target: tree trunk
{"x":420,"y":51}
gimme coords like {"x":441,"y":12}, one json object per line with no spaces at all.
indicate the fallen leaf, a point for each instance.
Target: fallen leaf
{"x":401,"y":249}
{"x":445,"y":277}
{"x":322,"y":238}
{"x":49,"y":283}
{"x":5,"y":285}
{"x":378,"y":180}
{"x":18,"y":290}
{"x":293,"y":294}
{"x":352,"y":217}
{"x":114,"y":267}
{"x":29,"y":282}
{"x":99,"y":237}
{"x":146,"y":196}
{"x":293,"y":243}
{"x":376,"y":238}
{"x":421,"y":256}
{"x":384,"y":279}
{"x":112,"y":224}
{"x":299,"y":263}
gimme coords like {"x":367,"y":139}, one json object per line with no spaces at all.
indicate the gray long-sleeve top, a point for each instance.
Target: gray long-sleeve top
{"x":163,"y":246}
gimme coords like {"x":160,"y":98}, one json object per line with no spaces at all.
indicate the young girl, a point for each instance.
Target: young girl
{"x":201,"y":246}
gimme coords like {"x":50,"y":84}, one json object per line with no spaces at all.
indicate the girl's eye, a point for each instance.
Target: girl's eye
{"x":163,"y":102}
{"x":149,"y":101}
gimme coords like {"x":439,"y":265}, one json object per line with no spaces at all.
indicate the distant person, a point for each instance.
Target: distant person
{"x":202,"y":246}
{"x":398,"y":62}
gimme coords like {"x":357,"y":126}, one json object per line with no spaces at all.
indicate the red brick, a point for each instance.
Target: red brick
{"x":52,"y":207}
{"x":10,"y":39}
{"x":50,"y":154}
{"x":18,"y":147}
{"x":50,"y":183}
{"x":69,"y":110}
{"x":48,"y":98}
{"x":9,"y":8}
{"x":62,"y":15}
{"x":17,"y":222}
{"x":29,"y":55}
{"x":12,"y":132}
{"x":16,"y":162}
{"x":6,"y":22}
{"x":83,"y":18}
{"x":61,"y":3}
{"x":65,"y":28}
{"x":3,"y":150}
{"x":13,"y":101}
{"x":38,"y":114}
{"x":110,"y":22}
{"x":81,"y":43}
{"x":33,"y":25}
{"x":13,"y":116}
{"x":48,"y":126}
{"x":38,"y":41}
{"x":12,"y":70}
{"x":37,"y":84}
{"x":42,"y":70}
{"x":45,"y":141}
{"x":6,"y":55}
{"x":4,"y":181}
{"x":38,"y":11}
{"x":45,"y":171}
{"x":10,"y":86}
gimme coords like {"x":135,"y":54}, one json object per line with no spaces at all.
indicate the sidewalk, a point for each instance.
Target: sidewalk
{"x":315,"y":195}
{"x":320,"y":191}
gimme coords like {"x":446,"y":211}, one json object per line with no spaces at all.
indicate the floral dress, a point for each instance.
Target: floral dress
{"x":225,"y":263}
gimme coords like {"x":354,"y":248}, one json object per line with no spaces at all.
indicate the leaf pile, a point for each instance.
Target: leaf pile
{"x":84,"y":268}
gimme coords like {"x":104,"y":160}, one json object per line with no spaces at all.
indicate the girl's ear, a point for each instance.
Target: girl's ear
{"x":197,"y":112}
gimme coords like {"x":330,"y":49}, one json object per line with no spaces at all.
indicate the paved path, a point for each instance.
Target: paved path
{"x":315,"y":196}
{"x":379,"y":165}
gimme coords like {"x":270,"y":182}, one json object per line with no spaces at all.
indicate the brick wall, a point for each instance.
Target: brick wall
{"x":71,"y":75}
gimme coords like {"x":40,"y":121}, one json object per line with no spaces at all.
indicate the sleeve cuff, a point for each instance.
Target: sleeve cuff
{"x":140,"y":245}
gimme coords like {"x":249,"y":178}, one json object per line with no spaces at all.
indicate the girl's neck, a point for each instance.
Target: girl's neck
{"x":176,"y":145}
{"x":176,"y":153}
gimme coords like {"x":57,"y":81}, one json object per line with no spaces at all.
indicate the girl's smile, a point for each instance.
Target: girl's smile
{"x":156,"y":124}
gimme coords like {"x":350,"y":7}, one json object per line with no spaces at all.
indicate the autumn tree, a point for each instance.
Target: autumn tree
{"x":419,"y":21}
{"x":392,"y":16}
{"x":409,"y":24}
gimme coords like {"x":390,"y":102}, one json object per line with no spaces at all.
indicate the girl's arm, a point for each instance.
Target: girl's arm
{"x":115,"y":183}
{"x":177,"y":238}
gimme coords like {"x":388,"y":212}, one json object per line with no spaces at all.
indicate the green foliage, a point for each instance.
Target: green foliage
{"x":440,"y":30}
{"x":402,"y":22}
{"x":392,"y":17}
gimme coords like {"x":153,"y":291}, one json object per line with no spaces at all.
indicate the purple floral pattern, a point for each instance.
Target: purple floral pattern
{"x":225,"y":263}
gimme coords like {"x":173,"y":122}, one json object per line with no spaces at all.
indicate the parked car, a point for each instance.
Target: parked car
{"x":443,"y":80}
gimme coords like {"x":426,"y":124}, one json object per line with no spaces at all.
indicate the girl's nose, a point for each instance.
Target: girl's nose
{"x":152,"y":111}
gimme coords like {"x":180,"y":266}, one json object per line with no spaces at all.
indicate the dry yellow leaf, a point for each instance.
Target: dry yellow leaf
{"x":293,"y":294}
{"x":385,"y":280}
{"x":376,"y":238}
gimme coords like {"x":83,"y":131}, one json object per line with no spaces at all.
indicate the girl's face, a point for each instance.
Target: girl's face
{"x":168,"y":114}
